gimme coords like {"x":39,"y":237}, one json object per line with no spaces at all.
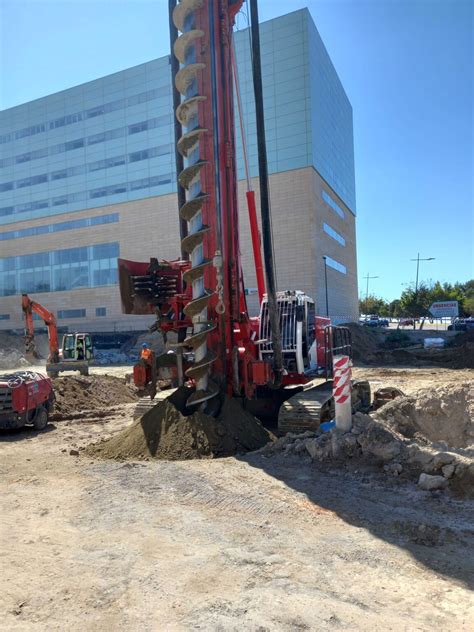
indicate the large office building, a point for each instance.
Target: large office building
{"x":88,"y":175}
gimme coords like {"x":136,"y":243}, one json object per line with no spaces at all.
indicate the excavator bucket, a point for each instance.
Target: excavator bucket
{"x":128,"y":272}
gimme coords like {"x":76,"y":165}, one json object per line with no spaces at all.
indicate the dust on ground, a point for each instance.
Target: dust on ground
{"x":165,"y":433}
{"x":227,"y":544}
{"x":253,"y":542}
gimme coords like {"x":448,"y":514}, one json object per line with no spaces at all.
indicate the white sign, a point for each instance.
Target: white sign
{"x":445,"y":308}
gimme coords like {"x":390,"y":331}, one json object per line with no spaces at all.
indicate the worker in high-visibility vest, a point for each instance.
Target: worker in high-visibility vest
{"x":146,"y":353}
{"x":147,"y":358}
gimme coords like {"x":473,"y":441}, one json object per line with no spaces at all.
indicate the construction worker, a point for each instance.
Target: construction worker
{"x":146,"y":354}
{"x":147,"y":358}
{"x":80,"y":350}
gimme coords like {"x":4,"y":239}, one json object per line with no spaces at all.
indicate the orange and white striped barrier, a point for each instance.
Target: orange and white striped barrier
{"x":342,"y":387}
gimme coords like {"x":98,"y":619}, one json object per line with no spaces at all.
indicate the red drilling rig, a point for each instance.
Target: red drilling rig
{"x":268,"y":361}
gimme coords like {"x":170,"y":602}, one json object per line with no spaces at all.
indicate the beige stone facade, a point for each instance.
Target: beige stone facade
{"x":149,"y":228}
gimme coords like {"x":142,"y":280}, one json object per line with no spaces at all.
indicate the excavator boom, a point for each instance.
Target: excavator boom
{"x":29,"y":307}
{"x":77,"y":349}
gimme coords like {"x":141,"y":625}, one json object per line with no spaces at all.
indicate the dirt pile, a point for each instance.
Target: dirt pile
{"x":98,"y":392}
{"x":365,"y":343}
{"x":445,"y":413}
{"x":165,"y":433}
{"x":428,"y":437}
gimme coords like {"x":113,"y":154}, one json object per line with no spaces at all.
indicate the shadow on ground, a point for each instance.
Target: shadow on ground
{"x":23,"y":433}
{"x":437,"y":530}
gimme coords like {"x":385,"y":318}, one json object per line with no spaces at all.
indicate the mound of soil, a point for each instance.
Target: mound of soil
{"x":444,"y":414}
{"x":165,"y":433}
{"x":365,"y":343}
{"x":94,"y":392}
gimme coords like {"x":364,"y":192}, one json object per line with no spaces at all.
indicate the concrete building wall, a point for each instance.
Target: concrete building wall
{"x":87,"y":174}
{"x":149,"y":228}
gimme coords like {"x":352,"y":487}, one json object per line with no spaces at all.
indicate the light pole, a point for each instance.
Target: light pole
{"x":416,"y":282}
{"x":418,"y":269}
{"x":326,"y":284}
{"x":367,"y":278}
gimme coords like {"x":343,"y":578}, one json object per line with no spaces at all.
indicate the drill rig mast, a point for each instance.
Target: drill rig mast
{"x":201,"y":296}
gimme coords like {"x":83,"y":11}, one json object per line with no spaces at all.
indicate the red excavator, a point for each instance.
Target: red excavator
{"x":279,"y":363}
{"x":76,"y":353}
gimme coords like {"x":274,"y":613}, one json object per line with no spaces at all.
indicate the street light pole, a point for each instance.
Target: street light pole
{"x":326,"y":284}
{"x":416,"y":282}
{"x":418,"y":270}
{"x":367,"y":288}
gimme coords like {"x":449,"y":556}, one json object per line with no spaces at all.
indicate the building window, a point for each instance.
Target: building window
{"x":71,"y":313}
{"x":4,"y":316}
{"x":61,"y":270}
{"x":335,"y":207}
{"x":332,"y":263}
{"x":112,"y":106}
{"x":335,"y":235}
{"x":100,"y":311}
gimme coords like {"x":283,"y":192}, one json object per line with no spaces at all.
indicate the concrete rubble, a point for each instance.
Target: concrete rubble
{"x":11,"y":358}
{"x":376,"y":440}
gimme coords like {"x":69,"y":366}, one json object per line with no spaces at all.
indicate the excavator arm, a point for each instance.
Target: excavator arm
{"x":29,"y":307}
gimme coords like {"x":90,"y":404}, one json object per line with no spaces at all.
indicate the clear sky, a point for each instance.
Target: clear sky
{"x":406,"y":65}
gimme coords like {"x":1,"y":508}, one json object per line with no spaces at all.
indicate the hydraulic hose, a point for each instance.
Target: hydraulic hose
{"x":265,"y":199}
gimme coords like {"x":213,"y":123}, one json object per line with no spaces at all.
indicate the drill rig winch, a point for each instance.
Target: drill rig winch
{"x":220,"y":350}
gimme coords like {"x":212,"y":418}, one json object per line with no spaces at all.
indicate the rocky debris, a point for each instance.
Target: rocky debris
{"x":165,"y":432}
{"x":428,"y":482}
{"x":11,"y":358}
{"x":437,"y":414}
{"x":104,"y":357}
{"x":448,"y":470}
{"x":77,"y":394}
{"x":133,"y":346}
{"x":394,"y":469}
{"x":372,"y":441}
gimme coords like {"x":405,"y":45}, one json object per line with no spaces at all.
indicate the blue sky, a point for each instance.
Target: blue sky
{"x":406,"y":65}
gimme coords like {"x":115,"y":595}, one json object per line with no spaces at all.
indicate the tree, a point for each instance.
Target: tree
{"x":395,"y":309}
{"x":417,"y":304}
{"x":373,"y":305}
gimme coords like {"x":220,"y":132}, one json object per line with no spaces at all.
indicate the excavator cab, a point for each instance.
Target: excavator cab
{"x":77,"y":347}
{"x":75,"y":355}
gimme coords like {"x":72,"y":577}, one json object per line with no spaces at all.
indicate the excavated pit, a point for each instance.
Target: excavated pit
{"x":169,"y":432}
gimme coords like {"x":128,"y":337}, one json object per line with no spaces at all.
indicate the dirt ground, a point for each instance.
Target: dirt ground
{"x":249,"y":543}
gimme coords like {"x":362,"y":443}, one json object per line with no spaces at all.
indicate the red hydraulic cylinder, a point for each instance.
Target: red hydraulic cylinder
{"x":257,"y":253}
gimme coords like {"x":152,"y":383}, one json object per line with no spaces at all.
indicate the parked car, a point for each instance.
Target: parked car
{"x":375,"y":321}
{"x":406,"y":322}
{"x":462,"y":324}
